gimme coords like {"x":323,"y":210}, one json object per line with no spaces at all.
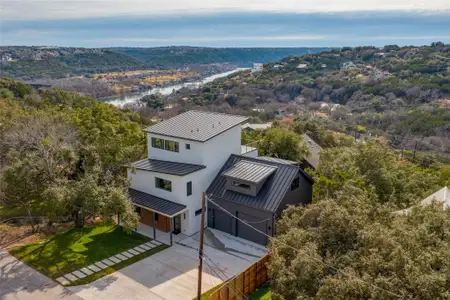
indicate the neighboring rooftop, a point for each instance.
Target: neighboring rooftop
{"x":250,"y":171}
{"x":257,"y":126}
{"x":196,"y":125}
{"x":314,"y":150}
{"x":440,"y":197}
{"x":157,"y":204}
{"x":166,"y":167}
{"x":271,"y":193}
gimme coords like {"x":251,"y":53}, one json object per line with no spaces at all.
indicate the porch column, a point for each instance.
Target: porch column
{"x":171,"y":229}
{"x":154,"y":225}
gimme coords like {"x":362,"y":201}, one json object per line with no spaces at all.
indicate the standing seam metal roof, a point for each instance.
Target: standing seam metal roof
{"x":250,"y":171}
{"x":272,"y":191}
{"x":156,"y":204}
{"x":166,"y":167}
{"x":196,"y":125}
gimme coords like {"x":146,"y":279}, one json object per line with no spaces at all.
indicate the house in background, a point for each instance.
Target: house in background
{"x":312,"y":160}
{"x":199,"y":151}
{"x":257,"y":67}
{"x":253,"y":127}
{"x":441,"y":197}
{"x":255,"y":190}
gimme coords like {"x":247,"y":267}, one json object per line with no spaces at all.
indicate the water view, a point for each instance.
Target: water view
{"x":121,"y":100}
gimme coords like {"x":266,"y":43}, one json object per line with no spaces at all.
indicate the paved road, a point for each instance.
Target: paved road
{"x":20,"y":282}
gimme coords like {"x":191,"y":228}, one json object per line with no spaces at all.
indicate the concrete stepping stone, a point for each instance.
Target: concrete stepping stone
{"x":79,"y":274}
{"x":140,"y":250}
{"x":101,"y":265}
{"x":107,"y":262}
{"x":156,"y":243}
{"x":86,"y":271}
{"x":94,"y":268}
{"x":70,"y":277}
{"x":63,"y":280}
{"x":115,"y":259}
{"x":145,"y":247}
{"x":132,"y":251}
{"x":150,"y":245}
{"x":121,"y":257}
{"x":127,"y":254}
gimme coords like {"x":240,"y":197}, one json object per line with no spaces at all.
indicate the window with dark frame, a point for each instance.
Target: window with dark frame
{"x":172,"y":146}
{"x":188,"y":146}
{"x":157,"y":143}
{"x":295,"y":183}
{"x":156,"y":216}
{"x":163,"y":184}
{"x":189,"y":188}
{"x":198,"y":212}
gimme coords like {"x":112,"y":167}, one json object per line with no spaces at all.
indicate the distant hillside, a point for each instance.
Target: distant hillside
{"x":175,"y":57}
{"x":57,"y":62}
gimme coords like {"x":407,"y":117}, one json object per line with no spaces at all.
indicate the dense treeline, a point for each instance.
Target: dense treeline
{"x":62,"y":154}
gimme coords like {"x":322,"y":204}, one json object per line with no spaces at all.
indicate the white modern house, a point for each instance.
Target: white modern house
{"x":257,"y":67}
{"x":184,"y":155}
{"x":187,"y":155}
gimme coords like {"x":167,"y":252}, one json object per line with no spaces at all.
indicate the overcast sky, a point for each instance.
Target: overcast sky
{"x":234,"y":23}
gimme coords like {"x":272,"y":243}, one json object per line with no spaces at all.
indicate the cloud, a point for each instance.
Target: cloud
{"x":71,"y":9}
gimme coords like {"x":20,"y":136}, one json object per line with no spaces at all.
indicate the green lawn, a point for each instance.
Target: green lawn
{"x":79,"y":247}
{"x":262,"y":293}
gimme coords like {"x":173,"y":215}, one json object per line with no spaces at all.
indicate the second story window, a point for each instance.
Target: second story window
{"x":157,"y":143}
{"x":189,"y":188}
{"x":188,"y":146}
{"x":172,"y":146}
{"x":163,"y":184}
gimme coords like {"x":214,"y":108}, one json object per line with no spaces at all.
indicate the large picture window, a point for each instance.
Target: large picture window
{"x":157,"y":143}
{"x":163,"y":184}
{"x":172,"y":146}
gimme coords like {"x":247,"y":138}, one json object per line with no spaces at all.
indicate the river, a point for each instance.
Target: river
{"x":131,"y":98}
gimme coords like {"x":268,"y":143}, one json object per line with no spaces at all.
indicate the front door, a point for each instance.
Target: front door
{"x":177,"y":224}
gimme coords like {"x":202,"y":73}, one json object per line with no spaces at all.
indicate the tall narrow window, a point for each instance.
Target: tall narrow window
{"x":189,"y":188}
{"x":295,"y":184}
{"x":172,"y":146}
{"x":163,"y":184}
{"x":157,"y":143}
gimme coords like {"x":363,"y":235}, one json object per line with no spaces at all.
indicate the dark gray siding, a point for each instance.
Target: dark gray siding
{"x":262,"y":220}
{"x":301,"y":195}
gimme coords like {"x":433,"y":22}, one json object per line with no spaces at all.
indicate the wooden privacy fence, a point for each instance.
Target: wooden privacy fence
{"x":244,"y":283}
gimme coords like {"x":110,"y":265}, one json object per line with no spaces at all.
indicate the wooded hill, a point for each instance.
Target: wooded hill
{"x":58,"y":62}
{"x":402,"y":93}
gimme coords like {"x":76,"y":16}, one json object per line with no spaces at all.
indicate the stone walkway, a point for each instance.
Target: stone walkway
{"x":108,"y":262}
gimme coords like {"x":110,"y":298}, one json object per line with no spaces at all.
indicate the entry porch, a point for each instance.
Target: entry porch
{"x":161,"y":219}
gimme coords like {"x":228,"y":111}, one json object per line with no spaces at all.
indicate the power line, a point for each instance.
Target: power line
{"x":305,"y":253}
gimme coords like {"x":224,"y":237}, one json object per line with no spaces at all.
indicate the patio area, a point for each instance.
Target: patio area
{"x":163,"y":237}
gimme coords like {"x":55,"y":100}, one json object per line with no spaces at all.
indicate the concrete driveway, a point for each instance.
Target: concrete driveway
{"x":21,"y":282}
{"x":169,"y":274}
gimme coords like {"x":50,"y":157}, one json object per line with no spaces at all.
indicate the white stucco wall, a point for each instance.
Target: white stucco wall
{"x":212,"y":154}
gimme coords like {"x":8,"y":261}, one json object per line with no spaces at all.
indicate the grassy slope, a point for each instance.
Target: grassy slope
{"x":262,"y":293}
{"x":77,"y":248}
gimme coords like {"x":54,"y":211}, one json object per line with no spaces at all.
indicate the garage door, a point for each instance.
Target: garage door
{"x":221,"y":221}
{"x":250,"y":234}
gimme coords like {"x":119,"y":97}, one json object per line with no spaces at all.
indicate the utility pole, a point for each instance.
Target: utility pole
{"x":200,"y":249}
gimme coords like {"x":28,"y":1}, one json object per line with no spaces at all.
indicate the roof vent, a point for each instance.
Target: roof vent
{"x":192,"y":130}
{"x":213,"y":125}
{"x":219,"y":122}
{"x":197,"y":130}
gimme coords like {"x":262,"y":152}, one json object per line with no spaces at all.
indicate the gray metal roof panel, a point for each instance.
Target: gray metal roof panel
{"x":156,"y":204}
{"x":196,"y":125}
{"x":166,"y":167}
{"x":272,"y":192}
{"x":278,"y":160}
{"x":250,"y":171}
